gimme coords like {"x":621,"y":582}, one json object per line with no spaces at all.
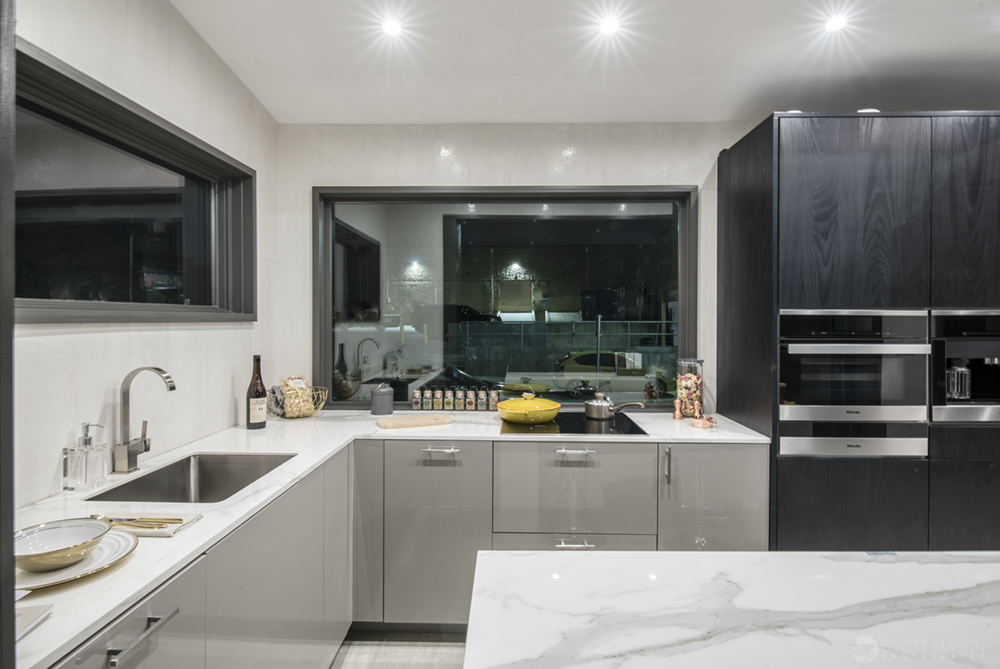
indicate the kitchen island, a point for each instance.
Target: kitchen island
{"x":84,"y":607}
{"x":690,"y":609}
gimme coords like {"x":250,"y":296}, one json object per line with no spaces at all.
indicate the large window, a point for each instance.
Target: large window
{"x":562,"y":297}
{"x":120,"y":216}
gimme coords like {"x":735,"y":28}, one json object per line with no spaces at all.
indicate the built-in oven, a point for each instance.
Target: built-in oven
{"x":853,"y":366}
{"x":852,"y":467}
{"x":965,"y":366}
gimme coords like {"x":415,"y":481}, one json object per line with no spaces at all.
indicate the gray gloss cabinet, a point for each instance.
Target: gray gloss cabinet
{"x":268,"y":580}
{"x":368,"y":525}
{"x":563,"y":487}
{"x":437,"y":516}
{"x":713,"y":497}
{"x":177,"y":642}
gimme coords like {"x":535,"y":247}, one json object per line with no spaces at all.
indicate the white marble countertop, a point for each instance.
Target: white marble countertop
{"x":85,"y":606}
{"x":778,"y":610}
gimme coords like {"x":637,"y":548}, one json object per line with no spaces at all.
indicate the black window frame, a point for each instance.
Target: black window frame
{"x":45,"y":82}
{"x":325,"y":197}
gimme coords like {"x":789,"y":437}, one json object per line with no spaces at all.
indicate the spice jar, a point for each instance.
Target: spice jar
{"x":689,"y":377}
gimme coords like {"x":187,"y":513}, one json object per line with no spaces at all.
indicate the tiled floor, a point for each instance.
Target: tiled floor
{"x":373,"y":650}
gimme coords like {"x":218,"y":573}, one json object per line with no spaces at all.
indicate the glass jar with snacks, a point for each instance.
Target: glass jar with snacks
{"x":689,"y":377}
{"x":449,"y":400}
{"x":460,"y":399}
{"x":438,"y":400}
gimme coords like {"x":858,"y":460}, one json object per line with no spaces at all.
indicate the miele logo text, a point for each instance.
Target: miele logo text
{"x":854,"y":445}
{"x":856,"y":412}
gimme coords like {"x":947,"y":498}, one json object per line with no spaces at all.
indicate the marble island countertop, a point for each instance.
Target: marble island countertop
{"x":776,"y":610}
{"x":83,"y":607}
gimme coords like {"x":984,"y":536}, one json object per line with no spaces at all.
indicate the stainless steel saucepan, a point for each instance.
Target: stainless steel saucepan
{"x":600,"y":408}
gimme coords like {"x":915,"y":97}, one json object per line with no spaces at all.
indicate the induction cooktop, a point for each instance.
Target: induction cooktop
{"x":576,"y":422}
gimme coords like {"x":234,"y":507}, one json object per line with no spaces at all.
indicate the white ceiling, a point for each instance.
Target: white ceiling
{"x":538,"y":61}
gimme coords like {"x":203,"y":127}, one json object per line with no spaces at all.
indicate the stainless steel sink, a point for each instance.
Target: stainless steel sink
{"x":202,"y":477}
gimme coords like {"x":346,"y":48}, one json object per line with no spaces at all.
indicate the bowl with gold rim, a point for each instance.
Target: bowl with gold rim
{"x":58,"y":543}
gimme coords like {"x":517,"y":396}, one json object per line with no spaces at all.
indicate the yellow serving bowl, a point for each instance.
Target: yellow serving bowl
{"x":529,"y":409}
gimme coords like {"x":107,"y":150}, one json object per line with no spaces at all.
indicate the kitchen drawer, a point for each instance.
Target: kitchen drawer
{"x":176,"y":641}
{"x":569,"y":542}
{"x":590,"y":487}
{"x":437,"y":517}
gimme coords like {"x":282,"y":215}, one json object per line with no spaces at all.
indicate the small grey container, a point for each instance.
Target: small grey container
{"x":382,"y":400}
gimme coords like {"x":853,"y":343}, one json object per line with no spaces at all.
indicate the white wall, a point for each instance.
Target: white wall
{"x":675,"y":154}
{"x":67,"y":374}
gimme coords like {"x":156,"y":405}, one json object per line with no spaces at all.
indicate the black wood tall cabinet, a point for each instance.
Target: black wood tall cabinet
{"x":964,"y":487}
{"x":851,"y":212}
{"x":854,"y":212}
{"x":966,"y":213}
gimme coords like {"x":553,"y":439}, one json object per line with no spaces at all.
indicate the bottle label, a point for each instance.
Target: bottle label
{"x":258,"y":410}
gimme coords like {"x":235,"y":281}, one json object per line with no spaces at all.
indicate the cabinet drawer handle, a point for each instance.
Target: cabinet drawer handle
{"x":562,"y":544}
{"x":118,"y":657}
{"x":568,"y":451}
{"x":666,"y":470}
{"x":440,"y":450}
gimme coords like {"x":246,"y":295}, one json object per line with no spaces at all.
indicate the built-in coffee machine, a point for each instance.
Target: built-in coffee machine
{"x":965,"y":362}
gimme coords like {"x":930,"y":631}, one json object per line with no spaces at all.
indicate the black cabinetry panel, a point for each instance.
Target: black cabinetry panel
{"x":964,"y":487}
{"x":745,"y":297}
{"x":964,"y":505}
{"x":854,"y":213}
{"x":862,"y":504}
{"x":965,"y":270}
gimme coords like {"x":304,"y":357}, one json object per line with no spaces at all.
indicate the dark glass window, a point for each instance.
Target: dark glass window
{"x":98,"y":223}
{"x":509,"y":295}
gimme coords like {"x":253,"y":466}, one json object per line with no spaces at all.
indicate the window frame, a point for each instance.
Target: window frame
{"x":325,"y":198}
{"x":83,"y":103}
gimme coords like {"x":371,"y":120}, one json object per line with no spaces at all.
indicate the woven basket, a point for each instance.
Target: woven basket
{"x":297,"y":405}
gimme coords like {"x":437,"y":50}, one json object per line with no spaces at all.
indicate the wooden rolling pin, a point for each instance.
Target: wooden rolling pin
{"x":412,"y":421}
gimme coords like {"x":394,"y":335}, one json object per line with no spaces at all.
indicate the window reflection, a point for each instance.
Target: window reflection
{"x":517,"y":296}
{"x":96,"y":223}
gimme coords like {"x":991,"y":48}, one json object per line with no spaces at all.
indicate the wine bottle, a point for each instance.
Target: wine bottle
{"x":256,"y":399}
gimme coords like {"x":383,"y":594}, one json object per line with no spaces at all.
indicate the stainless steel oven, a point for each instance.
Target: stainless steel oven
{"x":965,"y":366}
{"x":861,"y":366}
{"x":852,"y":465}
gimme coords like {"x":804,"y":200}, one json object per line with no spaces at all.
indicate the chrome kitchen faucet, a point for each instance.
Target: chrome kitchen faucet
{"x":126,"y":453}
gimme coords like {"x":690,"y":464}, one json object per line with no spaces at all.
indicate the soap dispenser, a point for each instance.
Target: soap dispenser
{"x":97,"y":456}
{"x":84,"y":465}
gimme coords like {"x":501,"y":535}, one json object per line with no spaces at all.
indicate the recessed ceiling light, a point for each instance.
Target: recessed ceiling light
{"x":870,"y":110}
{"x":609,"y":26}
{"x":836,"y":23}
{"x":392,"y":27}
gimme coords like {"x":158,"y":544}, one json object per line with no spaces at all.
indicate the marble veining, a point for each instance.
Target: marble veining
{"x":596,"y":610}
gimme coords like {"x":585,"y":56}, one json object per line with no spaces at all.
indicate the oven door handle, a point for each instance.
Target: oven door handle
{"x":859,"y":349}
